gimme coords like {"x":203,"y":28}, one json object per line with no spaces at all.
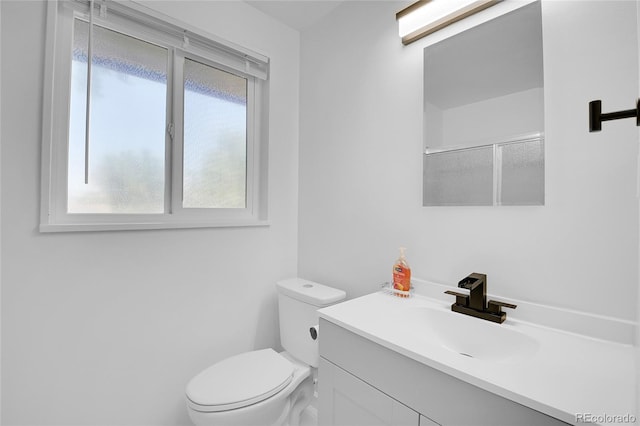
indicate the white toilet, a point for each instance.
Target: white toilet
{"x":264,"y":387}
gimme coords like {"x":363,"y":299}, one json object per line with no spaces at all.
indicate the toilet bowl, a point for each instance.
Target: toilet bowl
{"x":264,"y":387}
{"x":254,"y":388}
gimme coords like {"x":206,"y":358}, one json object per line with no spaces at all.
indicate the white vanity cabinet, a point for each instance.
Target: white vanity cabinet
{"x":364,"y":383}
{"x":349,"y":401}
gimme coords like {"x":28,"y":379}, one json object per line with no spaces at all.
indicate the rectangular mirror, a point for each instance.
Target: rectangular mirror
{"x":484,"y":114}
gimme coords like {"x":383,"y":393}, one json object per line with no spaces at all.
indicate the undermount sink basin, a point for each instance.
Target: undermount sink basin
{"x":473,"y":337}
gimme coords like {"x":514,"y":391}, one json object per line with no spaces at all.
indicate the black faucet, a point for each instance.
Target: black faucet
{"x":475,"y":304}
{"x":477,"y":286}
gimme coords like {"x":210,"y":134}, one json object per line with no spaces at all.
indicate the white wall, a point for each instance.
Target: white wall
{"x":433,"y":126}
{"x":361,"y":166}
{"x":0,"y":220}
{"x":107,"y":328}
{"x":494,"y":120}
{"x":638,"y":299}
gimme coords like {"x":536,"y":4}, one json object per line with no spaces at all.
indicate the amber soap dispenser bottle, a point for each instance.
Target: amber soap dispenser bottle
{"x":402,"y":273}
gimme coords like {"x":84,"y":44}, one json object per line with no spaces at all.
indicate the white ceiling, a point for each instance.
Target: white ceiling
{"x":298,"y":14}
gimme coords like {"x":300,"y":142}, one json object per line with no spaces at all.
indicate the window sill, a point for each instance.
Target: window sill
{"x":139,"y":226}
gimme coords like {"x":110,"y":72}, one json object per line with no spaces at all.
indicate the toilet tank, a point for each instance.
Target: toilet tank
{"x":298,"y":302}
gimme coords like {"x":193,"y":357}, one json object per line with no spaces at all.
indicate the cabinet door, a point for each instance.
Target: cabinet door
{"x":345,"y":400}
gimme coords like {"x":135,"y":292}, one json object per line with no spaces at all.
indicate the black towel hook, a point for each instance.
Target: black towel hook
{"x":596,"y":117}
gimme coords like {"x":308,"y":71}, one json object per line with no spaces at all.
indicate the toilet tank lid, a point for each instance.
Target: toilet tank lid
{"x":310,"y":292}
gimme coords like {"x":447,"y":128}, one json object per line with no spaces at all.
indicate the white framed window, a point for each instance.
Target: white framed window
{"x":148,"y":123}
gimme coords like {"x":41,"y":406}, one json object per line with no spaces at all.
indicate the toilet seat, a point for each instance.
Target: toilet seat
{"x":239,"y":381}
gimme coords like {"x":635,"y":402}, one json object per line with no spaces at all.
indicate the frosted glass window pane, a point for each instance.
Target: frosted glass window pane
{"x":215,"y":138}
{"x":127,"y":127}
{"x":522,"y":173}
{"x":459,"y":178}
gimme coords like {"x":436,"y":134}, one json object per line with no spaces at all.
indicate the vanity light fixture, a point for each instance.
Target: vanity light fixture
{"x":427,"y":16}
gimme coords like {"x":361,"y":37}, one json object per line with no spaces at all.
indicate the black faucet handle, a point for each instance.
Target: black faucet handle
{"x":496,"y":307}
{"x":461,"y":298}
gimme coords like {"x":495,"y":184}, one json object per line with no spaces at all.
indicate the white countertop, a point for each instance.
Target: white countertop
{"x":567,"y":375}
